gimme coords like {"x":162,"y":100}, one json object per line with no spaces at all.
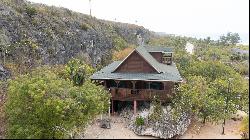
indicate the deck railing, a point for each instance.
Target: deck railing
{"x":139,"y":94}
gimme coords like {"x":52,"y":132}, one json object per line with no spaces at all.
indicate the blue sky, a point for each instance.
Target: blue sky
{"x":197,"y":18}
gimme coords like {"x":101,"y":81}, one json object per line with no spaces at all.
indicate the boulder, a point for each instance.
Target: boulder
{"x":166,"y":127}
{"x":105,"y":123}
{"x":238,"y":116}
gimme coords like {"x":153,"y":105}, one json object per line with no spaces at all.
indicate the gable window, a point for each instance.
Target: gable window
{"x":167,"y":58}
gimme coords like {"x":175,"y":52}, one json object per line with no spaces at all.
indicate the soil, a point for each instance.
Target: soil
{"x":195,"y":131}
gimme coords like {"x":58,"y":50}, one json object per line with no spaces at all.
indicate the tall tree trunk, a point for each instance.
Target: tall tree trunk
{"x":204,"y":120}
{"x":223,"y":126}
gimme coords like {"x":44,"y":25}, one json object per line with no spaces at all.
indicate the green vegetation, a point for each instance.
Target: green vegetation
{"x":245,"y":128}
{"x":119,"y":43}
{"x":41,"y":104}
{"x":85,"y":26}
{"x":215,"y":87}
{"x":157,"y":110}
{"x":139,"y":121}
{"x":229,"y":39}
{"x":77,"y":71}
{"x":57,"y":102}
{"x":31,"y":11}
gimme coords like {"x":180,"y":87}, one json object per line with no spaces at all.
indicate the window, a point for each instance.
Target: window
{"x":167,"y":58}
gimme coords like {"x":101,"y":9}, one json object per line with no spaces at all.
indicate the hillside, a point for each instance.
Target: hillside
{"x":57,"y":34}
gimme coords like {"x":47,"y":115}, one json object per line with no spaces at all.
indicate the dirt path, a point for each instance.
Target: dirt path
{"x":197,"y":131}
{"x":118,"y":131}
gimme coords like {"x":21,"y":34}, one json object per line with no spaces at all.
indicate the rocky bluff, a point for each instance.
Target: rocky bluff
{"x":58,"y":34}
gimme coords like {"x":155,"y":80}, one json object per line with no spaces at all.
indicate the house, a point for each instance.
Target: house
{"x":146,"y":72}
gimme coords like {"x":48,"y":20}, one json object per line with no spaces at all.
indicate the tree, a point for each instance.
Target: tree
{"x":43,"y":105}
{"x":196,"y":97}
{"x":78,"y":71}
{"x":231,"y":93}
{"x":229,"y":39}
{"x":157,"y":109}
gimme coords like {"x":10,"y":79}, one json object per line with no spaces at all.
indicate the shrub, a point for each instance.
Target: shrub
{"x":139,"y":121}
{"x":85,"y":26}
{"x":43,"y":105}
{"x":157,"y":111}
{"x":77,"y":71}
{"x":119,"y":43}
{"x":245,"y":127}
{"x":31,"y":11}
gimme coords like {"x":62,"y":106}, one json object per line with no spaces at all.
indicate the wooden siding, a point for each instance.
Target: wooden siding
{"x":135,"y":63}
{"x":157,"y":56}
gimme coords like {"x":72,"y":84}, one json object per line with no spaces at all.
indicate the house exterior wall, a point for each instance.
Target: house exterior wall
{"x":135,"y":63}
{"x":157,"y":56}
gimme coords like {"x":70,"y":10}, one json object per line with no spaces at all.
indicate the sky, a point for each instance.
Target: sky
{"x":196,"y":18}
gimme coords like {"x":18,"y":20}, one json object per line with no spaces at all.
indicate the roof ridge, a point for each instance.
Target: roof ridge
{"x":149,"y":58}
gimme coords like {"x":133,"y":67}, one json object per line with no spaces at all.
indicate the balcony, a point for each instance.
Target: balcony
{"x":126,"y":94}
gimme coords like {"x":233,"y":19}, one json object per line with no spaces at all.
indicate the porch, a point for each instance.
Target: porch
{"x":139,"y":90}
{"x":125,"y":90}
{"x":126,"y":94}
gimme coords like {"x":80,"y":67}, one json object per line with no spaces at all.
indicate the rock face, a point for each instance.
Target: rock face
{"x":4,"y":74}
{"x":166,"y":127}
{"x":61,"y":34}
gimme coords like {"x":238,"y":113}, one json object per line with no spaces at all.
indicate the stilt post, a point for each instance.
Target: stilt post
{"x":135,"y":105}
{"x":112,"y":104}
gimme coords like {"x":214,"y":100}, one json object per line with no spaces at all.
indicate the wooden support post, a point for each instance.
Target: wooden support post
{"x":117,"y":83}
{"x":135,"y":105}
{"x":112,"y":104}
{"x":133,"y":82}
{"x":109,"y":107}
{"x":165,"y":84}
{"x":149,"y":89}
{"x":105,"y":84}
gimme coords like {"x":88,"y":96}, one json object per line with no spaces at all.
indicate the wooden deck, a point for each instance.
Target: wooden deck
{"x":125,"y":94}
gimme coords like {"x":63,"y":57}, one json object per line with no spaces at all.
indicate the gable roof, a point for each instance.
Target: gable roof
{"x":146,"y":56}
{"x":170,"y":73}
{"x":165,"y":72}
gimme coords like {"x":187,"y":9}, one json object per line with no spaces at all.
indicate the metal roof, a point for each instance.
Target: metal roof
{"x":159,"y":49}
{"x":165,"y":72}
{"x":170,"y":74}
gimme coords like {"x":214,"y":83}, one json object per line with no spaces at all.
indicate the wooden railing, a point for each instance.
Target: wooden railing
{"x":139,"y":94}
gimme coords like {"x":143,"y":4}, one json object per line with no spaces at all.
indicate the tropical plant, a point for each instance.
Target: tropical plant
{"x":78,"y":71}
{"x":139,"y":121}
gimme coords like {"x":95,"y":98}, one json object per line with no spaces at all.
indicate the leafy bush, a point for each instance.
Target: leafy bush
{"x":245,"y":127}
{"x":31,"y":11}
{"x":157,"y":111}
{"x":78,"y":71}
{"x":43,"y":105}
{"x":119,"y":42}
{"x":139,"y":121}
{"x":85,"y":26}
